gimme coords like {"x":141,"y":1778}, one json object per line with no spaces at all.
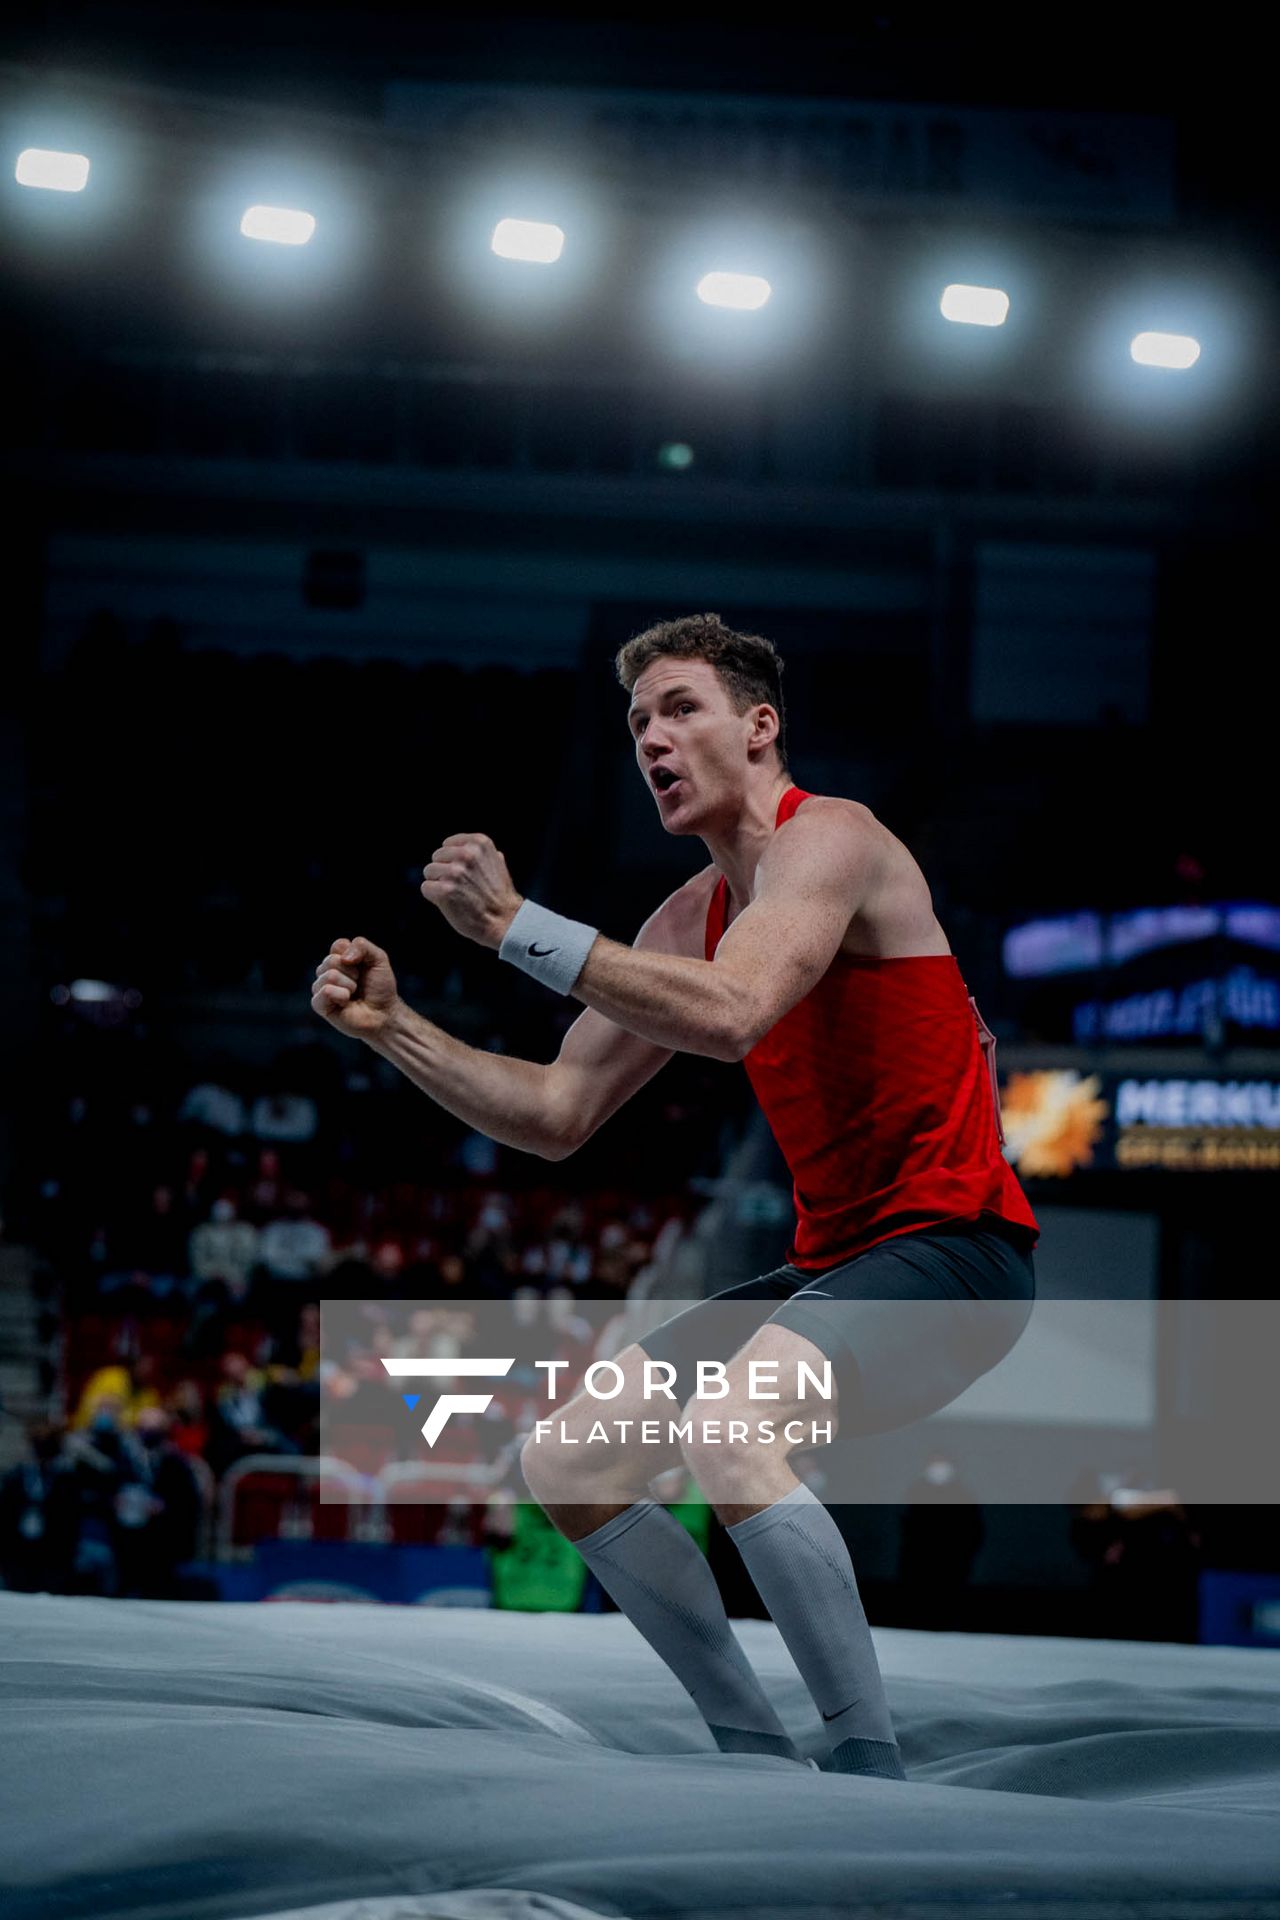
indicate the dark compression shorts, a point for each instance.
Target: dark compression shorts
{"x":893,"y":1362}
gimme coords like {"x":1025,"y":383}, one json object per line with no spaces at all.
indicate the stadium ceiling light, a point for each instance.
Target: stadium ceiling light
{"x":1176,"y":350}
{"x":531,"y":240}
{"x":90,"y":991}
{"x":746,"y":291}
{"x":284,"y":225}
{"x":975,"y":306}
{"x":60,"y":172}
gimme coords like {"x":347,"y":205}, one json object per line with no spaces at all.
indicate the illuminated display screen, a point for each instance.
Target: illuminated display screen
{"x":1059,"y":1122}
{"x":1083,"y":942}
{"x":1193,"y":1010}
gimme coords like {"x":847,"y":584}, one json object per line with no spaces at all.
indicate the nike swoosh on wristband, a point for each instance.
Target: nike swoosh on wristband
{"x":540,"y":953}
{"x":836,"y":1716}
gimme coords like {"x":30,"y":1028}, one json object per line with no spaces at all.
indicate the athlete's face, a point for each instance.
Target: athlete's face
{"x":691,"y":746}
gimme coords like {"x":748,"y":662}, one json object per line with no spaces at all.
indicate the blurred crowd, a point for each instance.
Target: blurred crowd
{"x":184,"y":1238}
{"x":113,"y":1506}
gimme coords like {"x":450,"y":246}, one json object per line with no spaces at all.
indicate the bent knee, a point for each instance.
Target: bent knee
{"x":553,"y":1471}
{"x":537,"y":1466}
{"x":731,"y":1446}
{"x":720,"y":1444}
{"x":561,"y":1465}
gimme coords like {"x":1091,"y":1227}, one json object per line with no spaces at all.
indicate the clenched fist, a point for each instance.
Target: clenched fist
{"x":355,"y":988}
{"x":468,"y":880}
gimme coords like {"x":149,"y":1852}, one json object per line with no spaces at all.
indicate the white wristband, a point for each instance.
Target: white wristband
{"x":554,"y":950}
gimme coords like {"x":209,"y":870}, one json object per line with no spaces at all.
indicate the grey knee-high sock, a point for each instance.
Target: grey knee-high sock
{"x":655,"y":1571}
{"x":797,"y":1557}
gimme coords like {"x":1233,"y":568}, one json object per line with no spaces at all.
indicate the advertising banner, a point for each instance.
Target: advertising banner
{"x":1060,"y":1121}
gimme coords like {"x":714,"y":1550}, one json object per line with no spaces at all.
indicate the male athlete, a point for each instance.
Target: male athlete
{"x":809,"y":950}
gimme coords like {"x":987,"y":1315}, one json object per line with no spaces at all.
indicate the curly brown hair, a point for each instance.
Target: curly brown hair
{"x":749,"y":667}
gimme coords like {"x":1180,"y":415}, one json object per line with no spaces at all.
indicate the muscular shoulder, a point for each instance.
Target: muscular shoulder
{"x":825,"y":827}
{"x":833,"y":812}
{"x":679,"y":924}
{"x":846,"y":823}
{"x":894,"y":914}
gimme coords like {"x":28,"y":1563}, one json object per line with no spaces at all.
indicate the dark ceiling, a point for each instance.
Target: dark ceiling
{"x":1207,"y":72}
{"x":331,"y":53}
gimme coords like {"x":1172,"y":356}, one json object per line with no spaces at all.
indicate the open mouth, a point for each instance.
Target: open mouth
{"x":664,"y":779}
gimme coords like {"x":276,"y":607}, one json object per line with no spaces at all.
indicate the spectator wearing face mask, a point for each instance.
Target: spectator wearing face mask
{"x":38,"y":1516}
{"x":211,"y":1108}
{"x":224,"y":1248}
{"x":114,"y":1383}
{"x":285,"y":1117}
{"x":240,"y":1423}
{"x":189,"y":1425}
{"x":102,"y":1458}
{"x":295,"y":1247}
{"x":158,"y":1511}
{"x":294,"y":1251}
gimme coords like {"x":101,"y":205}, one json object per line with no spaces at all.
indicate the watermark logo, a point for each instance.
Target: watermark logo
{"x":425,"y":1369}
{"x":672,"y":1383}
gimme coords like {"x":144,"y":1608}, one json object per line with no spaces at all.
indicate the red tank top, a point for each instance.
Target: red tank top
{"x":880,"y":1089}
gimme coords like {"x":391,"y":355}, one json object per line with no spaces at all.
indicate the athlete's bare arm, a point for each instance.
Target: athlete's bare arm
{"x":815,"y":873}
{"x":547,"y":1109}
{"x":601,"y":1064}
